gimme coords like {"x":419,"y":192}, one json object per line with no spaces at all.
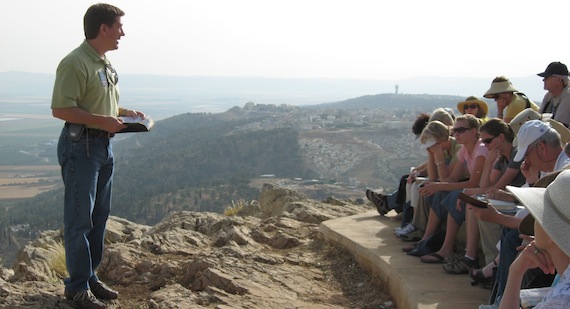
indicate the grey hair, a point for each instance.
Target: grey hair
{"x":551,"y":138}
{"x":564,"y":78}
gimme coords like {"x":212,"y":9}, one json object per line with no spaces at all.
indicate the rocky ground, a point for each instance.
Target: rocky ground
{"x":270,"y":255}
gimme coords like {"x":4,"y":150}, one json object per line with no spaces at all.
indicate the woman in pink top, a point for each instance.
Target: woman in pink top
{"x":442,"y":195}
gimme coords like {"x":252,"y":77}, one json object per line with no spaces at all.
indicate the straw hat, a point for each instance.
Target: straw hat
{"x":526,"y":226}
{"x":530,"y":114}
{"x":499,"y":85}
{"x":522,"y":117}
{"x":470,"y":100}
{"x":550,"y":208}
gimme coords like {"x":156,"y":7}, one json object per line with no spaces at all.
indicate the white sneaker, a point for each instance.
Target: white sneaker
{"x":405,"y":230}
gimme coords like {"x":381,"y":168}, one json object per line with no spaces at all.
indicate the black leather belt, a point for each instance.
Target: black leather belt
{"x":98,"y":133}
{"x":95,"y":132}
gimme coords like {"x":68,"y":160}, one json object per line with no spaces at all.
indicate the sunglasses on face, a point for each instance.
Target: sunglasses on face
{"x":472,"y":106}
{"x":460,"y":130}
{"x":488,"y":141}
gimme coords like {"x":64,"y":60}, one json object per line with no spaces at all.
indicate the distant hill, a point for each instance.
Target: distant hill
{"x":388,"y":100}
{"x":197,"y":162}
{"x":165,"y":96}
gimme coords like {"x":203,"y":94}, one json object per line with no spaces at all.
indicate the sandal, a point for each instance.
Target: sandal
{"x":461,"y":266}
{"x":420,"y":250}
{"x":432,"y":258}
{"x":478,"y":276}
{"x":454,"y":258}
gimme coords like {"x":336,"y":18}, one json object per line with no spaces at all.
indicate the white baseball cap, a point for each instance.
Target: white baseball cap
{"x":430,"y":141}
{"x":529,"y":132}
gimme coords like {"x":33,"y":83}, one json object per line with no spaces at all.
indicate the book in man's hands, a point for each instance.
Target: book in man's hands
{"x":136,"y":124}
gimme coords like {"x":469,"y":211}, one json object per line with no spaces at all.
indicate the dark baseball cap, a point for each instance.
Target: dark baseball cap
{"x":555,"y":68}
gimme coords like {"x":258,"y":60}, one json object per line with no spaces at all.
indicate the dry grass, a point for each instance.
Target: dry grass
{"x":235,"y":207}
{"x":57,"y":261}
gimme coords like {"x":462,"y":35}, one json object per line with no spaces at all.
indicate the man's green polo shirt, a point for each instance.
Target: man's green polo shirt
{"x":86,"y":81}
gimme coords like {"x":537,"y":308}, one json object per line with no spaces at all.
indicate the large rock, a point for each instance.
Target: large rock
{"x":192,"y":259}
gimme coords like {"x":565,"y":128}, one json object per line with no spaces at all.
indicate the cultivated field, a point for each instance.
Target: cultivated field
{"x":19,"y":182}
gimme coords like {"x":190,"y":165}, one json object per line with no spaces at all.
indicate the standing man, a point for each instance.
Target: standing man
{"x":509,"y":100}
{"x":86,"y":96}
{"x":557,"y":100}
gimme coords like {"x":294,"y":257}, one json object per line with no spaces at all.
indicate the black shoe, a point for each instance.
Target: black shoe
{"x":102,"y":291}
{"x":381,"y":203}
{"x":369,"y":194}
{"x":84,"y":299}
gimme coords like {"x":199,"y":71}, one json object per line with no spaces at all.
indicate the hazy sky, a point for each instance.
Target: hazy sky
{"x":299,"y":38}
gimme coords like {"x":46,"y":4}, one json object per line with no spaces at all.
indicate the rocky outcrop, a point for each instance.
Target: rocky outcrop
{"x":268,"y":259}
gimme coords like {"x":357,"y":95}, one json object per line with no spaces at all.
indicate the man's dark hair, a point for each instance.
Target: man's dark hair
{"x":420,"y":123}
{"x":98,"y":14}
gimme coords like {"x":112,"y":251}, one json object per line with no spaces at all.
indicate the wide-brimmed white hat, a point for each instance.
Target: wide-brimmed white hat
{"x":499,"y":85}
{"x":522,"y":117}
{"x":550,"y":207}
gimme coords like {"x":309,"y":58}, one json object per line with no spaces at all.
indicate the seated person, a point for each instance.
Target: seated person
{"x":397,"y":199}
{"x":540,"y":151}
{"x":474,"y":106}
{"x":508,"y":97}
{"x":442,"y":195}
{"x":442,"y":149}
{"x":384,"y":203}
{"x":499,"y":171}
{"x":556,"y":101}
{"x":550,"y":249}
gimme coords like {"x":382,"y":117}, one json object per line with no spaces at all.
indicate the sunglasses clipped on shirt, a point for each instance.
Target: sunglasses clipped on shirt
{"x":470,"y":106}
{"x":111,"y":74}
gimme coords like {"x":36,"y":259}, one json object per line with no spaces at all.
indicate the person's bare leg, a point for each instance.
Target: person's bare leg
{"x":432,"y":225}
{"x":446,"y":249}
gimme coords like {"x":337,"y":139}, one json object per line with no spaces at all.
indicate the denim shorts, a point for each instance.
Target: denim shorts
{"x":445,"y":202}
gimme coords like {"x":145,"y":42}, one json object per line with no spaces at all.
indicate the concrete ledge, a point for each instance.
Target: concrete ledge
{"x":412,"y":284}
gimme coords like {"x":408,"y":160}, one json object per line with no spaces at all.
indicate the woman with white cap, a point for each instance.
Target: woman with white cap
{"x":550,"y":249}
{"x":442,"y":149}
{"x":509,"y":98}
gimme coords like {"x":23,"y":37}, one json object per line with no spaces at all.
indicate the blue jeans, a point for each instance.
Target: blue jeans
{"x":443,"y":203}
{"x":510,"y":240}
{"x":87,"y":171}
